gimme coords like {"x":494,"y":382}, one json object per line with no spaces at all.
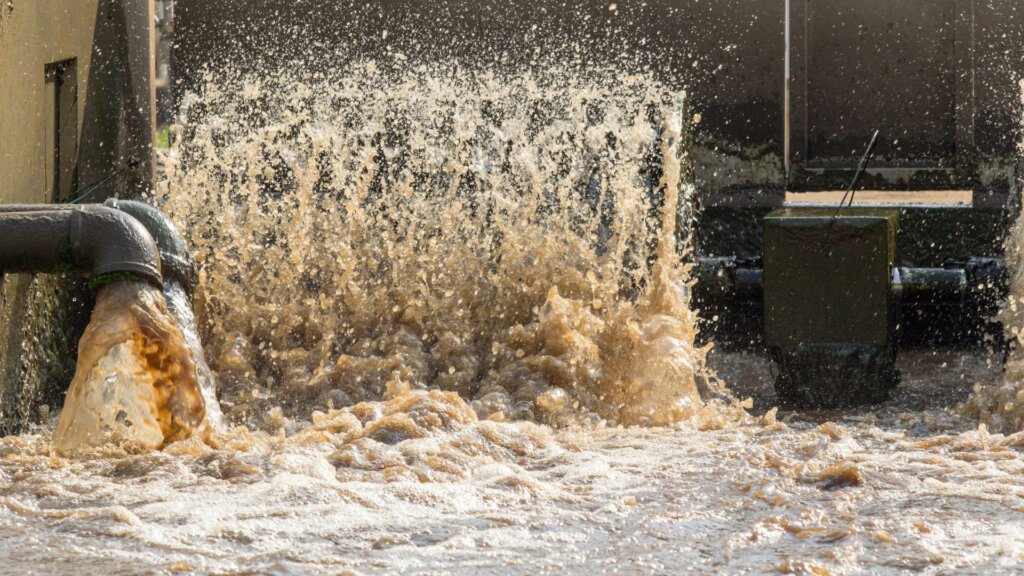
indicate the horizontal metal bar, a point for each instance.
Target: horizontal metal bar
{"x":929,"y":285}
{"x":729,"y":278}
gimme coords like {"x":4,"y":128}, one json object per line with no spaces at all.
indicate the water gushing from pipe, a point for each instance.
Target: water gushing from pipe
{"x":136,"y":379}
{"x":509,"y":238}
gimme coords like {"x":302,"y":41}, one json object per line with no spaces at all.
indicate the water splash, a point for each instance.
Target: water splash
{"x":1000,"y":406}
{"x":509,"y":238}
{"x":360,"y":251}
{"x":135,"y":381}
{"x":179,"y":304}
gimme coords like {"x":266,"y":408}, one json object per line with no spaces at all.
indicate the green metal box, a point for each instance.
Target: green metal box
{"x":827,"y":279}
{"x":829,"y":317}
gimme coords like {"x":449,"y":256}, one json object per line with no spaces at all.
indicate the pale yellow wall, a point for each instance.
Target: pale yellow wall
{"x":38,"y":32}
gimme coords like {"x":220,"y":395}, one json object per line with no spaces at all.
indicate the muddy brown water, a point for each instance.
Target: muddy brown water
{"x":435,"y":354}
{"x":906,"y":487}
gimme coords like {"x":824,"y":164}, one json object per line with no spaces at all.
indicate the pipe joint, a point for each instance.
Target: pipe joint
{"x":106,"y":241}
{"x":177,"y":262}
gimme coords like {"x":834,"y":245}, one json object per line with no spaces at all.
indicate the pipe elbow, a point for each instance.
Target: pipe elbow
{"x":121,"y":245}
{"x":108,"y":241}
{"x":177,"y":263}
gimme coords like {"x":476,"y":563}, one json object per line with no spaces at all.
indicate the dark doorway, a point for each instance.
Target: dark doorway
{"x":62,"y":130}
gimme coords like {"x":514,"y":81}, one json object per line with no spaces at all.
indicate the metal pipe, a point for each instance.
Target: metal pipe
{"x":931,"y":285}
{"x":177,"y":262}
{"x":96,"y":240}
{"x":979,"y":279}
{"x":727,"y":278}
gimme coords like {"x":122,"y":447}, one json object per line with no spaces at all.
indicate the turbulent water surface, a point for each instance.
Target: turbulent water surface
{"x":448,"y":318}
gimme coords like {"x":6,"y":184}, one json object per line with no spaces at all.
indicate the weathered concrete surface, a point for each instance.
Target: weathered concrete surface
{"x":110,"y":40}
{"x":41,"y":319}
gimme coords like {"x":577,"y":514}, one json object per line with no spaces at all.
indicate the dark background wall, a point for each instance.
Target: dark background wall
{"x":940,"y":77}
{"x":999,"y":67}
{"x":954,"y":63}
{"x":728,"y":53}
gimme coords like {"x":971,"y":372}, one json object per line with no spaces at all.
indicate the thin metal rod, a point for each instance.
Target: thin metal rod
{"x":786,"y":136}
{"x":856,"y":176}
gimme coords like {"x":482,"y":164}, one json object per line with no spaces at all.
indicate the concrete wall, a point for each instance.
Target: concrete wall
{"x":111,"y":41}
